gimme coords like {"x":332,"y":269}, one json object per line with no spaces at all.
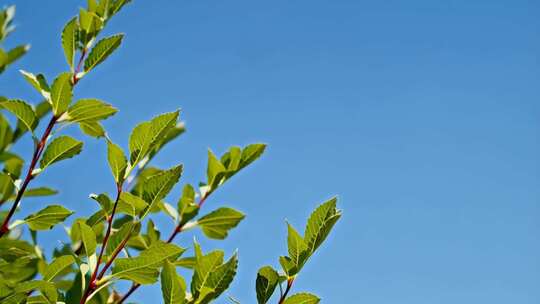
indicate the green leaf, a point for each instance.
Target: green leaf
{"x":89,"y":110}
{"x":117,"y":161}
{"x":187,"y":208}
{"x":38,"y":82}
{"x":41,"y":191}
{"x":61,"y":93}
{"x":204,"y":266}
{"x":7,"y":186}
{"x":126,"y":231}
{"x":62,"y":147}
{"x":102,"y":50}
{"x":214,"y":170}
{"x":23,"y":111}
{"x":147,"y":134}
{"x":156,"y":187}
{"x":57,"y":266}
{"x":251,"y":153}
{"x":288,"y":266}
{"x":6,"y":133}
{"x":144,"y":268}
{"x":320,"y":224}
{"x":298,"y":250}
{"x":69,"y":40}
{"x":216,"y":224}
{"x":88,"y":238}
{"x":48,"y":217}
{"x":92,"y":128}
{"x":104,"y":201}
{"x":266,"y":283}
{"x":17,"y":52}
{"x":47,"y":289}
{"x":173,"y":287}
{"x":302,"y":298}
{"x":89,"y":24}
{"x":131,"y":204}
{"x":187,"y":262}
{"x":218,"y":280}
{"x":116,"y":5}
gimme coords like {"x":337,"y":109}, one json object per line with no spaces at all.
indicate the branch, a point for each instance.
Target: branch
{"x":92,"y":283}
{"x":4,"y":229}
{"x":284,"y":295}
{"x":175,"y":232}
{"x":38,"y":150}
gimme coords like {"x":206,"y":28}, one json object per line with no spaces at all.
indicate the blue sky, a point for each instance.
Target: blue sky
{"x":423,"y":116}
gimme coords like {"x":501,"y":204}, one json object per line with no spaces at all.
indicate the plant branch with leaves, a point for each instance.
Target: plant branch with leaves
{"x":111,"y":245}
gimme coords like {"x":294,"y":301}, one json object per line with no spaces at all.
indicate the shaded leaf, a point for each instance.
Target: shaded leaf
{"x":266,"y":283}
{"x":92,"y":128}
{"x":187,"y":208}
{"x":57,"y":266}
{"x":88,"y":238}
{"x":144,"y":268}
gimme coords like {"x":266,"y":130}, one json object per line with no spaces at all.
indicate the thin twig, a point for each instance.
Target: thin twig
{"x":284,"y":295}
{"x":4,"y":229}
{"x":92,"y":283}
{"x":175,"y":232}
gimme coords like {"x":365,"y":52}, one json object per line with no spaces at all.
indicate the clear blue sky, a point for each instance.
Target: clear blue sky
{"x":423,"y":116}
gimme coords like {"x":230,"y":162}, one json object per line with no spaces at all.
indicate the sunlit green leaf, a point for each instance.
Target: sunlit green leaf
{"x":157,"y":186}
{"x":102,"y":50}
{"x":61,"y":93}
{"x":302,"y":298}
{"x":173,"y":287}
{"x":320,"y":223}
{"x":69,"y":40}
{"x":23,"y":111}
{"x":89,"y":110}
{"x":117,"y":161}
{"x":62,"y":147}
{"x":48,"y":217}
{"x":217,"y":224}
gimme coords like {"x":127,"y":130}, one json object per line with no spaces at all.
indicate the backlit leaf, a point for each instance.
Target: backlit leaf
{"x":102,"y":50}
{"x":48,"y":217}
{"x":62,"y":147}
{"x":217,"y":224}
{"x":23,"y":111}
{"x":61,"y":93}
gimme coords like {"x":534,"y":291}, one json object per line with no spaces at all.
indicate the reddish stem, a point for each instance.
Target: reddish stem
{"x":176,"y":230}
{"x":284,"y":295}
{"x":92,"y":283}
{"x":79,"y":66}
{"x":29,"y":176}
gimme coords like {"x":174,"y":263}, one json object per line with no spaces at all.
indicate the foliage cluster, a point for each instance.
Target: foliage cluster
{"x":120,"y":241}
